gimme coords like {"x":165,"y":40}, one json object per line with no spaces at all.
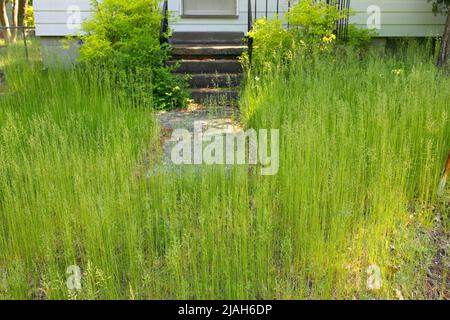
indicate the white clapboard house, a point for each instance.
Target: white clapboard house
{"x":392,"y":18}
{"x":195,"y":23}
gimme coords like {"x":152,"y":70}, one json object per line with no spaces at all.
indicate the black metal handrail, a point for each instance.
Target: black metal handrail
{"x":266,"y":10}
{"x":164,"y":23}
{"x":251,"y":18}
{"x":289,"y":8}
{"x":250,"y":27}
{"x":343,"y":22}
{"x":346,"y":20}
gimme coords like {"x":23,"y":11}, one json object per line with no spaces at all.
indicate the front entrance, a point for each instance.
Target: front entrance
{"x":209,"y":8}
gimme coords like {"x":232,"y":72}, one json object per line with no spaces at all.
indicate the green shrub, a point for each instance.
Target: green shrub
{"x":314,"y":22}
{"x":311,"y":32}
{"x":272,"y":42}
{"x":359,"y":38}
{"x":29,"y":17}
{"x":124,"y":37}
{"x":311,"y":29}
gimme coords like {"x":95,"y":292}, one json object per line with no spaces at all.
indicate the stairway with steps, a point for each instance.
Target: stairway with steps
{"x":211,"y":60}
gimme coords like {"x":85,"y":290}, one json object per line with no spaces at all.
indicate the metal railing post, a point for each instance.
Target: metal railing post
{"x":164,"y":23}
{"x":289,"y":8}
{"x":25,"y":43}
{"x":250,"y":27}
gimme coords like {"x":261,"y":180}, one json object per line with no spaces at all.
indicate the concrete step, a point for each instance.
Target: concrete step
{"x":207,"y":51}
{"x":219,"y":80}
{"x":207,"y":66}
{"x":207,"y":38}
{"x":219,"y":96}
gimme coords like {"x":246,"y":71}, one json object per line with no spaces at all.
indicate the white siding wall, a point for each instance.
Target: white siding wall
{"x":226,"y":24}
{"x":60,"y":17}
{"x":398,"y":17}
{"x":401,"y":18}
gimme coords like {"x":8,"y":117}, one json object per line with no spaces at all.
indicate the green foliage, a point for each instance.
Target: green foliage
{"x":363,"y":144}
{"x":272,"y":42}
{"x":440,"y":5}
{"x":311,"y":32}
{"x":361,"y":152}
{"x":124,"y":36}
{"x":126,"y":32}
{"x":169,"y":89}
{"x":359,"y":38}
{"x":313,"y":20}
{"x":29,"y":17}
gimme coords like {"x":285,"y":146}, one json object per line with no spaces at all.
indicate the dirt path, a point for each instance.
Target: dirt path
{"x":215,"y":120}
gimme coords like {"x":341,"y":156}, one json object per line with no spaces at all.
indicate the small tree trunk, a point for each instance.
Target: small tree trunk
{"x":4,"y":21}
{"x":23,"y":5}
{"x":444,"y":54}
{"x":15,"y":20}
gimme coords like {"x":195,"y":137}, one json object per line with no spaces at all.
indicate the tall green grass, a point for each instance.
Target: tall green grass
{"x":363,"y":146}
{"x":361,"y":152}
{"x":70,"y":150}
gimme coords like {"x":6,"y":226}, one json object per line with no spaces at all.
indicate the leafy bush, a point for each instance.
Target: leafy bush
{"x":124,"y":36}
{"x":440,"y":5}
{"x":311,"y":32}
{"x":272,"y":42}
{"x":359,"y":38}
{"x":29,"y":17}
{"x":314,"y":22}
{"x":311,"y":29}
